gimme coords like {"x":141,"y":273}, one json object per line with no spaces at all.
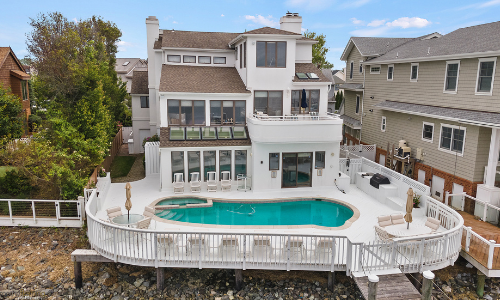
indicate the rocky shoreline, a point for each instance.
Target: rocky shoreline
{"x":36,"y":264}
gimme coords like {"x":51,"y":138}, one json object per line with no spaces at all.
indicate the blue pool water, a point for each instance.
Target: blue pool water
{"x":181,"y":201}
{"x":307,"y":212}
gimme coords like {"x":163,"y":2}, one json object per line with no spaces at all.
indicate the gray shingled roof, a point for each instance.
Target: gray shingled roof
{"x":373,"y":46}
{"x":351,"y":122}
{"x":351,"y":86}
{"x":478,"y":118}
{"x":309,"y":68}
{"x":196,"y":39}
{"x":480,"y":38}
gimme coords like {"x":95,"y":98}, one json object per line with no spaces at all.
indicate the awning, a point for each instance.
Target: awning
{"x":20,"y":74}
{"x":351,"y":122}
{"x":358,"y":87}
{"x":478,"y":118}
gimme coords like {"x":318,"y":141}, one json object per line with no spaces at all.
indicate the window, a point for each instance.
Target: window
{"x":193,"y":163}
{"x":428,"y":132}
{"x":174,"y":58}
{"x":390,"y":72}
{"x":189,"y":59}
{"x":241,"y":56}
{"x":451,"y":76}
{"x":219,"y":60}
{"x":224,"y":161}
{"x":319,"y":159}
{"x":360,"y":66}
{"x":204,"y":59}
{"x":270,"y":103}
{"x":350,"y":70}
{"x":240,"y":162}
{"x":274,"y":161}
{"x":452,"y":139}
{"x":245,"y":54}
{"x":177,"y":163}
{"x":186,"y":112}
{"x":374,"y":69}
{"x":271,"y":54}
{"x":383,"y":125}
{"x":312,"y":101}
{"x":209,"y":162}
{"x":144,"y":102}
{"x":485,"y":76}
{"x":414,"y":72}
{"x":24,"y":89}
{"x":227,"y":112}
{"x":357,"y":104}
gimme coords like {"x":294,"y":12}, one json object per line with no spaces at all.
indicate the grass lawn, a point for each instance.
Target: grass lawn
{"x":4,"y":169}
{"x":121,"y":166}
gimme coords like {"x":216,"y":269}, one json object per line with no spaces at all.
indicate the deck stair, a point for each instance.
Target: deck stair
{"x":390,"y":287}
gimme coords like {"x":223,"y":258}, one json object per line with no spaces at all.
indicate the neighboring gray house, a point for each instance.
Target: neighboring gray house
{"x":332,"y":88}
{"x":125,"y":69}
{"x":436,"y":92}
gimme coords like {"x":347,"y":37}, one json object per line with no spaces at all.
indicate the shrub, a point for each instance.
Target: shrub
{"x":154,"y":138}
{"x":15,"y":184}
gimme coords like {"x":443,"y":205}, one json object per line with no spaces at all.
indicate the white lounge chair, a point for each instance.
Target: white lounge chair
{"x":384,"y":221}
{"x":149,"y":212}
{"x":225,"y":182}
{"x":397,"y":219}
{"x":212,"y":181}
{"x":114,"y":212}
{"x":229,"y":247}
{"x":178,"y":183}
{"x":196,"y":247}
{"x":261,"y":248}
{"x":295,"y":244}
{"x":144,"y":223}
{"x":195,"y":182}
{"x":324,"y":250}
{"x":167,"y":246}
{"x":432,"y":223}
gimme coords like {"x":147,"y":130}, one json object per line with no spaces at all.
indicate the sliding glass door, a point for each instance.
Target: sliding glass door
{"x":297,"y":169}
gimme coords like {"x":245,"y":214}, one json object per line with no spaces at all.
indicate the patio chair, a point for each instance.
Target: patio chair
{"x":167,"y":246}
{"x":178,"y":183}
{"x":144,"y":223}
{"x":261,"y":247}
{"x":149,"y":212}
{"x":225,"y":182}
{"x":114,"y":212}
{"x":397,"y":219}
{"x":324,"y":250}
{"x":384,"y":221}
{"x":382,"y":234}
{"x":432,"y":223}
{"x":297,"y":251}
{"x":212,"y":181}
{"x":196,"y":247}
{"x":195,"y":182}
{"x":229,"y":247}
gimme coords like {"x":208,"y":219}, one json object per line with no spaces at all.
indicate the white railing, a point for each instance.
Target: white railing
{"x":41,"y":213}
{"x":152,"y":153}
{"x":487,"y":212}
{"x":254,"y":250}
{"x":350,"y":166}
{"x":298,"y":117}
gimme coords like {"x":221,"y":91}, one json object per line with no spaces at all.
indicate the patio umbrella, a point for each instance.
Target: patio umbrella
{"x":409,"y":207}
{"x":128,"y":203}
{"x":303,"y":103}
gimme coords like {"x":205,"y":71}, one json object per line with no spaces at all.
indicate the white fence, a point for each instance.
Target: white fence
{"x":487,"y":212}
{"x":350,"y":166}
{"x":366,"y":151}
{"x":255,"y":250}
{"x":41,"y":213}
{"x":152,"y":154}
{"x":126,"y":131}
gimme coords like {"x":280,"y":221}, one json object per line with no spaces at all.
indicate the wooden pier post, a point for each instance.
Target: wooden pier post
{"x":238,"y":273}
{"x":78,"y":274}
{"x":160,"y":279}
{"x":427,"y":285}
{"x":331,"y":281}
{"x":372,"y":287}
{"x":480,"y":283}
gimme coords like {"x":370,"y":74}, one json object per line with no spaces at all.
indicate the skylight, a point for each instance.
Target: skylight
{"x":125,"y":63}
{"x":312,"y":76}
{"x":301,"y":75}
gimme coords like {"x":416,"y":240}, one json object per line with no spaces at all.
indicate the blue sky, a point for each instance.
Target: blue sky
{"x":338,"y":20}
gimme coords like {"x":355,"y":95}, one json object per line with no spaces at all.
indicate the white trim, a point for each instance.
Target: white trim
{"x":451,"y":142}
{"x":383,"y":124}
{"x":411,"y":72}
{"x":446,"y":76}
{"x":423,"y":130}
{"x":392,"y":78}
{"x":441,"y":57}
{"x":358,"y":104}
{"x":375,"y":66}
{"x":351,"y":71}
{"x":196,"y":49}
{"x":360,"y":69}
{"x":494,"y":59}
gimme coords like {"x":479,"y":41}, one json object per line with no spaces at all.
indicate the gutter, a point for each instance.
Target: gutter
{"x":440,"y":57}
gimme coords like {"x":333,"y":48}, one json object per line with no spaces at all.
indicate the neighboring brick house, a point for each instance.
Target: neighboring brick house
{"x":13,"y":76}
{"x":436,"y":92}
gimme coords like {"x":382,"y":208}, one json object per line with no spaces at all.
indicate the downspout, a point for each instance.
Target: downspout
{"x":362,"y":108}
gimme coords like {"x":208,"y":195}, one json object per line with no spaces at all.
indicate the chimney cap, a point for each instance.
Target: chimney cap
{"x":152,"y":18}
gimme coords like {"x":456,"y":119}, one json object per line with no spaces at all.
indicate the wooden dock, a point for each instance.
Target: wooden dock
{"x":390,"y":287}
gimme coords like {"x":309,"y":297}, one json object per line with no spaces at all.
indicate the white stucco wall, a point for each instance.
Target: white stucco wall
{"x":303,"y":53}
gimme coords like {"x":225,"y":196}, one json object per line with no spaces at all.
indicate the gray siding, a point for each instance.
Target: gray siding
{"x":356,"y":76}
{"x":350,"y":104}
{"x":483,"y":150}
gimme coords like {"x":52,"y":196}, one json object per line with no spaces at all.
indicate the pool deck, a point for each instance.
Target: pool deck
{"x":146,"y":191}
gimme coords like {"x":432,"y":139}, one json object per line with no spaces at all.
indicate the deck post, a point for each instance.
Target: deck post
{"x":427,"y":285}
{"x":331,"y":281}
{"x":480,"y":283}
{"x":372,"y":287}
{"x":491,"y":251}
{"x":160,"y":279}
{"x":238,"y":274}
{"x":78,"y":274}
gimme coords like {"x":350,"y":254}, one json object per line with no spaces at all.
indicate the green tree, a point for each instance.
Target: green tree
{"x":319,"y":50}
{"x":338,"y":99}
{"x":11,"y":122}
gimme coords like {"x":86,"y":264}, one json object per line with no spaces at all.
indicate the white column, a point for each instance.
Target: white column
{"x":491,"y":169}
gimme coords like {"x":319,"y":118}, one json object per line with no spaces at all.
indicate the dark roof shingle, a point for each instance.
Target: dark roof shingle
{"x":201,"y":79}
{"x":372,"y":46}
{"x":140,"y":82}
{"x":270,"y":30}
{"x":195,"y":39}
{"x":309,"y":68}
{"x":165,"y":141}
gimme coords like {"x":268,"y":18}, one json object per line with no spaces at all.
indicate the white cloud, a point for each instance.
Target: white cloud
{"x":357,"y":22}
{"x":174,"y":22}
{"x":303,"y":30}
{"x":376,"y":23}
{"x":261,"y":20}
{"x":75,"y":20}
{"x":310,"y":4}
{"x":123,"y":46}
{"x":222,"y":15}
{"x":406,"y":22}
{"x":354,"y":4}
{"x":490,"y":3}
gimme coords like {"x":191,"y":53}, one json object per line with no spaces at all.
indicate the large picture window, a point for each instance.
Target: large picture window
{"x":224,"y":161}
{"x":452,"y":138}
{"x":177,"y":163}
{"x":270,"y":103}
{"x":451,"y":79}
{"x":485,"y":76}
{"x":193,"y":162}
{"x":271,"y":54}
{"x":312,"y":100}
{"x":186,"y":112}
{"x":240,"y":162}
{"x":227,"y":112}
{"x":209,"y":163}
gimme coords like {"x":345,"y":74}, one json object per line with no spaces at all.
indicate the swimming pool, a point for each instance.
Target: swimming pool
{"x":302,"y":212}
{"x":181,"y":201}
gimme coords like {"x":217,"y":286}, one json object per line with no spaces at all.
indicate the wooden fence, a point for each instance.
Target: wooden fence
{"x":106,"y":164}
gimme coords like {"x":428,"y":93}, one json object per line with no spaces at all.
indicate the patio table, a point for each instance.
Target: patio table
{"x":124,"y":220}
{"x":400,"y":230}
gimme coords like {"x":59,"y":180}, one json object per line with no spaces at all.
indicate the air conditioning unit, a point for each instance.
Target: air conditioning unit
{"x":403,"y":150}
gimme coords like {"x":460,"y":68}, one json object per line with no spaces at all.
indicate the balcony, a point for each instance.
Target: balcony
{"x":310,"y":128}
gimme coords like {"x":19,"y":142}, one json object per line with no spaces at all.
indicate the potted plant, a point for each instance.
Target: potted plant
{"x":416,"y":200}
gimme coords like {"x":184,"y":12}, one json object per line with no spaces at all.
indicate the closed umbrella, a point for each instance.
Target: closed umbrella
{"x":409,"y":207}
{"x":128,"y":203}
{"x":303,"y":103}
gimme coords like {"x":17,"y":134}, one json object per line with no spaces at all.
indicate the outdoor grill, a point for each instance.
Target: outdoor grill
{"x":378,"y":179}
